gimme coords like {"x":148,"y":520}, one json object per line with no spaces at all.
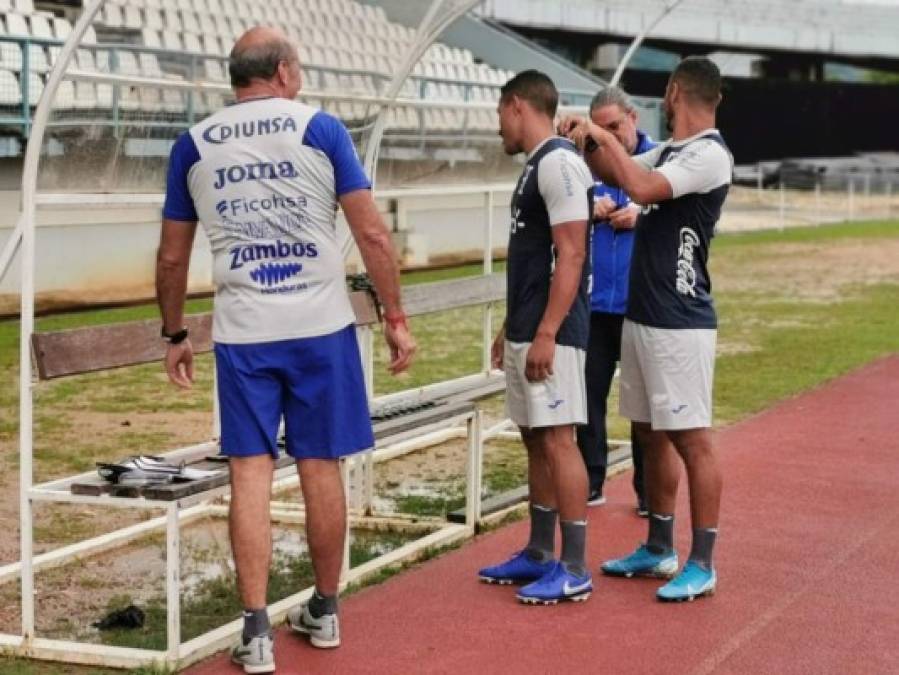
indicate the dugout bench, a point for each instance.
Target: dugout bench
{"x":395,"y":418}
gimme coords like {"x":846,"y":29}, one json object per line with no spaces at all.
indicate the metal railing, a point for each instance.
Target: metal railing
{"x":187,"y":74}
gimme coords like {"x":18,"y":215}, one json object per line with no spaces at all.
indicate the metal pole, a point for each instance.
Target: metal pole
{"x":851,"y":200}
{"x":173,"y":583}
{"x":759,"y":179}
{"x":669,"y":7}
{"x":817,"y":201}
{"x":27,"y":219}
{"x":473,"y":472}
{"x":488,"y":269}
{"x":889,"y":199}
{"x":783,"y":206}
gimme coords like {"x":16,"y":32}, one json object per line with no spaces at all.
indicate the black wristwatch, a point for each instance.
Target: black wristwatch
{"x":175,"y":338}
{"x":590,"y":145}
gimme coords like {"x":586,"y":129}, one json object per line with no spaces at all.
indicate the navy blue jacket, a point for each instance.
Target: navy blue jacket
{"x":611,"y":249}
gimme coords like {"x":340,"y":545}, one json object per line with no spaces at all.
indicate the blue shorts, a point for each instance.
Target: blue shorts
{"x":316,"y":384}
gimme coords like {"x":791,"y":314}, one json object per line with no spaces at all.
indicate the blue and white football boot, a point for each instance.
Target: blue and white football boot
{"x":642,"y":563}
{"x":557,"y":585}
{"x":694,"y":581}
{"x":519,"y":569}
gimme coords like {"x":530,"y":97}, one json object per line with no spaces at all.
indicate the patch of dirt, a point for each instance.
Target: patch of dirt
{"x":811,"y":272}
{"x":182,"y":429}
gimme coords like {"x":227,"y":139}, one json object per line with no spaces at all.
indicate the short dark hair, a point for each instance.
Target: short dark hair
{"x":258,"y":61}
{"x":534,"y":87}
{"x":699,"y":78}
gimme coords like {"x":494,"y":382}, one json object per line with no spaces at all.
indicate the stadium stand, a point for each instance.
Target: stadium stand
{"x":345,"y":47}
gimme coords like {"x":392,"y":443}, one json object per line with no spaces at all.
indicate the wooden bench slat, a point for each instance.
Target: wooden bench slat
{"x":443,"y":295}
{"x":171,"y":491}
{"x":85,"y":350}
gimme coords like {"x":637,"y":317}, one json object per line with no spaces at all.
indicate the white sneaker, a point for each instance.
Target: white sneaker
{"x":323,"y":632}
{"x":257,"y":655}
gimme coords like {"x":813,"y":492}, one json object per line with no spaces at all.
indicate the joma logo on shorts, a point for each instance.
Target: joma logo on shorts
{"x":256,"y":171}
{"x":686,"y":274}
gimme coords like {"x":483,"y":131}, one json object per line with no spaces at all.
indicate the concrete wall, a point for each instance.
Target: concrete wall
{"x":96,"y":254}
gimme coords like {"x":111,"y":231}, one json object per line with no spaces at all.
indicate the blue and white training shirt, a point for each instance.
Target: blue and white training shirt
{"x":264,"y":177}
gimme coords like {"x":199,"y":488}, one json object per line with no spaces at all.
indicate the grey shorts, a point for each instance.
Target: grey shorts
{"x":666,"y":376}
{"x":558,"y":400}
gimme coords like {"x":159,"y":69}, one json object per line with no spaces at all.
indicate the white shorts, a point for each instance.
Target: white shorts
{"x":558,"y":400}
{"x":666,"y":376}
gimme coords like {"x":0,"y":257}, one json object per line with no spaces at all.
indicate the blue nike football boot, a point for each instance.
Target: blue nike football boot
{"x":557,"y":585}
{"x":521,"y":568}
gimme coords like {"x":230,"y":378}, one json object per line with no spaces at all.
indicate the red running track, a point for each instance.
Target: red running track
{"x":807,"y":562}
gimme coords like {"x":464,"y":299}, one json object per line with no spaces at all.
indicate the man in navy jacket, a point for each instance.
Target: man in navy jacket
{"x":613,"y":238}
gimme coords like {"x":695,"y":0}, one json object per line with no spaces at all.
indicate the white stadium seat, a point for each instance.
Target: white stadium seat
{"x":149,"y":65}
{"x":151,"y":38}
{"x":171,"y":20}
{"x":85,"y":95}
{"x":127,"y":63}
{"x":215,"y":71}
{"x":132,"y":18}
{"x":153,"y":19}
{"x":190,"y":22}
{"x":111,"y":16}
{"x":61,"y":28}
{"x":192,"y":43}
{"x":35,"y":89}
{"x":172,"y":41}
{"x":10,"y":57}
{"x":9,"y":89}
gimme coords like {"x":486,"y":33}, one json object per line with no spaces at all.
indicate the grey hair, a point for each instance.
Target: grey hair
{"x":259,"y":61}
{"x":611,"y":96}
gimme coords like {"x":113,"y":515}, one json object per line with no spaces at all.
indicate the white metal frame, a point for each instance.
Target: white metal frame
{"x":176,"y":512}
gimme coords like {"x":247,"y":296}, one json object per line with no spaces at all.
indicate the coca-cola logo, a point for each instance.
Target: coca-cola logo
{"x":686,"y":273}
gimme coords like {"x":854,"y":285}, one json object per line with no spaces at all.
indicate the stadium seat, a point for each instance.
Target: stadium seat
{"x":10,"y":57}
{"x":10,"y":94}
{"x":192,"y":43}
{"x":207,"y":26}
{"x":61,"y":28}
{"x":220,"y":25}
{"x":153,"y":19}
{"x":127,"y":63}
{"x":149,"y":65}
{"x":215,"y":72}
{"x":132,"y":18}
{"x":172,"y":41}
{"x":111,"y":16}
{"x":190,"y":22}
{"x":85,"y":96}
{"x":65,"y":96}
{"x":171,"y":20}
{"x":35,"y":89}
{"x":23,"y":6}
{"x":210,"y":44}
